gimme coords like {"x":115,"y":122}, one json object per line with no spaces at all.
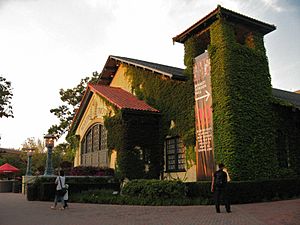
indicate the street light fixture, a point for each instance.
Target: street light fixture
{"x":49,"y":141}
{"x":29,"y":160}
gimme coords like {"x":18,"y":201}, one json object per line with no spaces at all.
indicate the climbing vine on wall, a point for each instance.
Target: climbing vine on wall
{"x":115,"y":130}
{"x":175,"y":101}
{"x":136,"y":137}
{"x":241,"y":93}
{"x":286,"y":121}
{"x":173,"y":98}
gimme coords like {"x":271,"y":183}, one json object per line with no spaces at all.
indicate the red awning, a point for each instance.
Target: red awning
{"x":7,"y":168}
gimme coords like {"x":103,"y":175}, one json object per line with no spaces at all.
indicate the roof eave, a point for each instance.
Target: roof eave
{"x":142,"y":66}
{"x":113,"y":62}
{"x":94,"y":90}
{"x":79,"y":113}
{"x":136,"y":111}
{"x":211,"y":17}
{"x":182,"y":37}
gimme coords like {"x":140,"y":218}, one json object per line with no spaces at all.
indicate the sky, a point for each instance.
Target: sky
{"x":46,"y":45}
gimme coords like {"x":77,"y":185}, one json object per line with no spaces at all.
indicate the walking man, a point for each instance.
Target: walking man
{"x":219,"y":188}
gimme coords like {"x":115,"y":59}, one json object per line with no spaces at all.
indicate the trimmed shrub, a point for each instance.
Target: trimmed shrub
{"x":249,"y":191}
{"x":91,"y":171}
{"x":155,"y":192}
{"x":43,"y":189}
{"x":199,"y":190}
{"x":103,"y":196}
{"x":155,"y":189}
{"x":31,"y":192}
{"x":46,"y":191}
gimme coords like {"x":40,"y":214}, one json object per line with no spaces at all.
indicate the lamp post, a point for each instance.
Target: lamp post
{"x":49,"y":141}
{"x":29,"y":160}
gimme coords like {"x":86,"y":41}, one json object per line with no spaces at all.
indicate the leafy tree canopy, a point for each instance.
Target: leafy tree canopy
{"x":71,"y":98}
{"x":65,"y":113}
{"x":5,"y":98}
{"x":37,"y":145}
{"x":61,"y":154}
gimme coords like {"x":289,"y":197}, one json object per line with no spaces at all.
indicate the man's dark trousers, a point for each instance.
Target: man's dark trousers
{"x":221,"y":196}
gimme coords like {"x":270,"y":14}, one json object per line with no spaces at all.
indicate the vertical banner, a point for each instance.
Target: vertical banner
{"x":203,"y":117}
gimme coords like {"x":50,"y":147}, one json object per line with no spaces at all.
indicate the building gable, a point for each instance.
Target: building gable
{"x":92,"y":107}
{"x":94,"y":113}
{"x":120,"y":80}
{"x":113,"y":63}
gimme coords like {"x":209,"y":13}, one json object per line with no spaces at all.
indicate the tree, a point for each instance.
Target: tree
{"x":31,"y":143}
{"x":66,"y":112}
{"x":5,"y":98}
{"x":39,"y":156}
{"x":61,"y":154}
{"x":71,"y":97}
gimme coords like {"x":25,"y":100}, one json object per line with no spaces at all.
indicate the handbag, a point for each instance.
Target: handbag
{"x":63,"y":190}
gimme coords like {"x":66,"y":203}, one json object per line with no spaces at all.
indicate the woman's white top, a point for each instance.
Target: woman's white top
{"x":66,"y":196}
{"x":61,"y":183}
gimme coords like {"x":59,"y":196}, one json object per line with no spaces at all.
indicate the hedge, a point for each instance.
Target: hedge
{"x":155,"y":189}
{"x":155,"y":192}
{"x":249,"y":191}
{"x":43,"y":189}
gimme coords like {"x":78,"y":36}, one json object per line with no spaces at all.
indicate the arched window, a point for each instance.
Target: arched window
{"x":95,"y":139}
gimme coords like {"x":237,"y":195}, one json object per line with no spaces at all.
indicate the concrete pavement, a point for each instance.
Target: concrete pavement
{"x":16,"y":210}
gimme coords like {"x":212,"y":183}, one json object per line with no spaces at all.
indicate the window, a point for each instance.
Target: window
{"x":94,"y":140}
{"x":89,"y":142}
{"x":175,"y":155}
{"x":103,"y":139}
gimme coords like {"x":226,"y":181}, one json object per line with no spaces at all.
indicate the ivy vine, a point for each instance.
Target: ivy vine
{"x":241,"y":93}
{"x":173,"y":98}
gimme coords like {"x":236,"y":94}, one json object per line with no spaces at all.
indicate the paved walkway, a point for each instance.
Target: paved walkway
{"x":16,"y":210}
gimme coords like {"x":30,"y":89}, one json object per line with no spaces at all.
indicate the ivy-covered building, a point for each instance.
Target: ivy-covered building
{"x":149,"y":120}
{"x":115,"y":118}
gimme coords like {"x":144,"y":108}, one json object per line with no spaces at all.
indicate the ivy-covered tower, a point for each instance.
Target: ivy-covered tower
{"x":241,"y":95}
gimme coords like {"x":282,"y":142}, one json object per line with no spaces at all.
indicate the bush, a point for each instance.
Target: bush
{"x":43,"y":189}
{"x":257,"y":191}
{"x":46,"y":191}
{"x":156,"y":192}
{"x":95,"y":196}
{"x":91,"y":171}
{"x":249,"y":191}
{"x":155,"y":189}
{"x":31,"y":192}
{"x":199,"y":190}
{"x":107,"y":197}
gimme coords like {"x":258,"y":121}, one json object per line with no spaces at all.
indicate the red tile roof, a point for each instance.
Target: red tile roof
{"x":120,"y":98}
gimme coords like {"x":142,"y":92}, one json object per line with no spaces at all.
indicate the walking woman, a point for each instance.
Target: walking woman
{"x":59,"y":195}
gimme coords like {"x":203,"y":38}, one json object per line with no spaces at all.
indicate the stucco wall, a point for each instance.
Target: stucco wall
{"x":188,"y":176}
{"x":120,"y":80}
{"x":94,"y":113}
